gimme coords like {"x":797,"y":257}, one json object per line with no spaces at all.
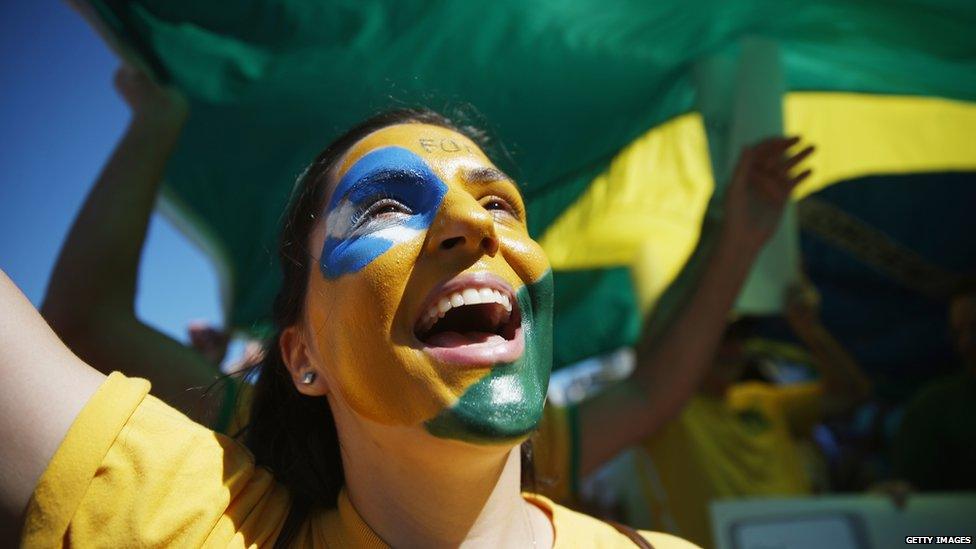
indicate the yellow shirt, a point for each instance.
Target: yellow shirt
{"x":132,"y":471}
{"x":740,"y":446}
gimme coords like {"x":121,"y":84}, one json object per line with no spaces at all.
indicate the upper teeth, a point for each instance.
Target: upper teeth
{"x":468,"y":296}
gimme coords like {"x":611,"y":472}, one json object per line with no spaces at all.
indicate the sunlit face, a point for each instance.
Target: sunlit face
{"x":431,"y":305}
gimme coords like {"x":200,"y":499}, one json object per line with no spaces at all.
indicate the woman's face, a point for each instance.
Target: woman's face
{"x":431,"y":305}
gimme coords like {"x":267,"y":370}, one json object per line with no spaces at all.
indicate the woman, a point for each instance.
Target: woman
{"x":413,"y":301}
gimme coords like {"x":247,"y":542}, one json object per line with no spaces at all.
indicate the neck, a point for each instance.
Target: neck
{"x":433,"y":492}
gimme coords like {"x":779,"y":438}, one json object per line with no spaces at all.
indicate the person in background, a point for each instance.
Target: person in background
{"x":738,"y":435}
{"x":935,"y":447}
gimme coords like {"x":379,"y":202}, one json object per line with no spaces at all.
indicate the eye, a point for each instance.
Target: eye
{"x":382,"y":208}
{"x":499,"y":205}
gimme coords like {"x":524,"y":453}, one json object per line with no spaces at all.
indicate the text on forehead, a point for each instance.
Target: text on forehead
{"x":444,"y":144}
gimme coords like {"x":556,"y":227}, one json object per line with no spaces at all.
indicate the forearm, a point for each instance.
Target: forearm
{"x":670,"y":368}
{"x":843,"y":381}
{"x":671,"y":364}
{"x":98,"y":263}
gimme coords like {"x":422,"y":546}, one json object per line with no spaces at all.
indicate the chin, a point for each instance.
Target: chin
{"x":508,"y":415}
{"x":506,"y":404}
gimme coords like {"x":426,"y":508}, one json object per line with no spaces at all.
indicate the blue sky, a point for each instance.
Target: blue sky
{"x":59,"y":120}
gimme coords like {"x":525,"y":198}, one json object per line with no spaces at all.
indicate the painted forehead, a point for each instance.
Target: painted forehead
{"x":439,"y":147}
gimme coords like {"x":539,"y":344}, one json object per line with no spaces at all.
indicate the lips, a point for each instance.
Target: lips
{"x":471,"y":320}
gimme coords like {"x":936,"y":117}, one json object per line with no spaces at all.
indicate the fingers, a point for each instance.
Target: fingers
{"x":770,"y":158}
{"x":766,"y":167}
{"x":791,"y":162}
{"x":799,"y":178}
{"x":769,"y":153}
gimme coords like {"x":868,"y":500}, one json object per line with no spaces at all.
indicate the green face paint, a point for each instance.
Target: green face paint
{"x":507,"y":403}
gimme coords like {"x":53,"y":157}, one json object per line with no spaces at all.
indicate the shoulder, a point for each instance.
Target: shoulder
{"x":573,"y":529}
{"x":127,"y":457}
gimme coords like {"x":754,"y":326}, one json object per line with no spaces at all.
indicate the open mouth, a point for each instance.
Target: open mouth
{"x":472,"y":320}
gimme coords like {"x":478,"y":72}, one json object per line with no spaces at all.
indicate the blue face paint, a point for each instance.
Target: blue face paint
{"x":353,"y":236}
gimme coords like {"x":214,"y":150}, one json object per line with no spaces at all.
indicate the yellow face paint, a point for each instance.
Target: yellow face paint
{"x":410,"y":221}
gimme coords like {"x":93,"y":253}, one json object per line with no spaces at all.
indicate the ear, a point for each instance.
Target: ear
{"x":296,"y":354}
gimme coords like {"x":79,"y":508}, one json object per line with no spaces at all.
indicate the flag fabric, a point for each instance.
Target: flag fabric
{"x":600,"y":110}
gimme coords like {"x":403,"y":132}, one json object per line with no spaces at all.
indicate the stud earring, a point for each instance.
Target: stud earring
{"x":308,"y":378}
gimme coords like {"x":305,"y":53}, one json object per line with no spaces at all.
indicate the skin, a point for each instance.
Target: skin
{"x":379,"y":365}
{"x":844,"y":384}
{"x":90,"y":299}
{"x":357,"y":336}
{"x":672,"y":365}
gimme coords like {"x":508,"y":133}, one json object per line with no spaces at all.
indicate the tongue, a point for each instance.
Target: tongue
{"x":455,"y":339}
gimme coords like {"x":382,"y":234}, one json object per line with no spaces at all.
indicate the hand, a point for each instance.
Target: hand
{"x":759,"y":189}
{"x":161,"y":106}
{"x":208,"y":341}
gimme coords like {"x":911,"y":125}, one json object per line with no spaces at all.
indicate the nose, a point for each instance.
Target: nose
{"x":463,"y":226}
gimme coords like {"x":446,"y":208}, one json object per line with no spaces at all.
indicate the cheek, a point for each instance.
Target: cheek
{"x":364,"y":340}
{"x":524,"y":255}
{"x":348,"y":256}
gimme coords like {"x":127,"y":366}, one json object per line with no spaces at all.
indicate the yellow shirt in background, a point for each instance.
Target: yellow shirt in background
{"x":132,"y":471}
{"x":737,"y":447}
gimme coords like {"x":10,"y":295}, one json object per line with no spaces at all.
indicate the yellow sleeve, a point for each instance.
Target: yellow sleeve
{"x":554,"y":452}
{"x":801,"y":404}
{"x":132,"y":471}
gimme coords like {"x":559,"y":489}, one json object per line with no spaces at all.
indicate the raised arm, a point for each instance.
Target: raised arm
{"x":670,"y":367}
{"x":44,"y":387}
{"x":844,"y":384}
{"x":90,"y":299}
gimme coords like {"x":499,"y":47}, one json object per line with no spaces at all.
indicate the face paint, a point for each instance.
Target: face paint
{"x":507,"y":403}
{"x":392,"y":176}
{"x":380,"y":261}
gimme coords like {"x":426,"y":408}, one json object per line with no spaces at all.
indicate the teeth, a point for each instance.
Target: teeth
{"x":471,"y":296}
{"x":468,"y":296}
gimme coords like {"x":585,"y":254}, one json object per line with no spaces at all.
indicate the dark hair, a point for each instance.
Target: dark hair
{"x":291,"y":434}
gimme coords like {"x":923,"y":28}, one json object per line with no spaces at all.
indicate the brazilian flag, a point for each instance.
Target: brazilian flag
{"x":623,"y":119}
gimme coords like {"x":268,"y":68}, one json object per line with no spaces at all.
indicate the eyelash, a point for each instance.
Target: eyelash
{"x":374,"y":208}
{"x":506,"y":205}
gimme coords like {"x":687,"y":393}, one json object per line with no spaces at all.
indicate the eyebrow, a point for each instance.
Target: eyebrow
{"x":375,"y":178}
{"x":487,"y":175}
